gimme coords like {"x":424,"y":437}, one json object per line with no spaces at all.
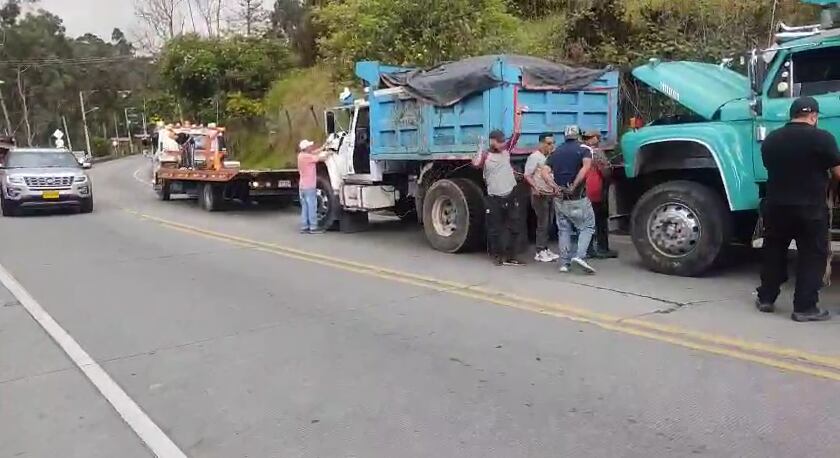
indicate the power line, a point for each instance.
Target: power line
{"x":68,"y":61}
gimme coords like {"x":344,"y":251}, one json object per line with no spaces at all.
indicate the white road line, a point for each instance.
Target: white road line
{"x":151,"y":435}
{"x":147,"y":182}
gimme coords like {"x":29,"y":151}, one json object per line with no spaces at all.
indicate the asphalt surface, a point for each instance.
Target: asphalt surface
{"x":239,"y":337}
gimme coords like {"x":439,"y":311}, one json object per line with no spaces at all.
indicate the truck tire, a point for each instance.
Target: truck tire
{"x":211,"y":196}
{"x":86,"y":206}
{"x":680,"y":228}
{"x":453,"y":215}
{"x":328,"y":206}
{"x":164,"y":190}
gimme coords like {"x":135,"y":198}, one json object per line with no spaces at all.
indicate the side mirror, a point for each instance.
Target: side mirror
{"x":330,"y":122}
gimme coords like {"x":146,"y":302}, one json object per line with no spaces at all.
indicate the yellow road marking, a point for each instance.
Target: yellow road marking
{"x":789,"y":359}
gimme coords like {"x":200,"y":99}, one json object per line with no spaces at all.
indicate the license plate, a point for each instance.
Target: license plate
{"x":284,"y":184}
{"x":49,"y":194}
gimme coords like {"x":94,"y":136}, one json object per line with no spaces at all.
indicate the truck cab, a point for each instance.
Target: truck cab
{"x":695,"y":180}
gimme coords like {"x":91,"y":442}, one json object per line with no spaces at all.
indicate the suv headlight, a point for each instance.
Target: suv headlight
{"x":12,"y":179}
{"x":81,"y":179}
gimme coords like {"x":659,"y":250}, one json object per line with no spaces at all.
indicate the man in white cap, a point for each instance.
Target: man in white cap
{"x":570,"y":164}
{"x":308,"y":157}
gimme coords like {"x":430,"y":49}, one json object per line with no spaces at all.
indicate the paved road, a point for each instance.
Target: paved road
{"x":237,"y":337}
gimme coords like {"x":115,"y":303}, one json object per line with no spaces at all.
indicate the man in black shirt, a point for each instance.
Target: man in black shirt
{"x":797,"y":157}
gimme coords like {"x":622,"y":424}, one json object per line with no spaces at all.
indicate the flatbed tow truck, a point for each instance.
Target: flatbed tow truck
{"x":200,"y":169}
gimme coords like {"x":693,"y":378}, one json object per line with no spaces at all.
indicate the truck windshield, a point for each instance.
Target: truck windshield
{"x":40,"y":159}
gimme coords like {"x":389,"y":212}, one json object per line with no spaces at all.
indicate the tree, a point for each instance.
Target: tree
{"x":164,"y":19}
{"x":201,"y":72}
{"x":210,"y":12}
{"x":415,"y":32}
{"x":293,"y":20}
{"x":250,"y":16}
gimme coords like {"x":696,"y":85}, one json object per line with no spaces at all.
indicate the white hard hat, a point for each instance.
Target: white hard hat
{"x":305,"y":144}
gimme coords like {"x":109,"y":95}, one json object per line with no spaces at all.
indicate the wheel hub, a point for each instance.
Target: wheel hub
{"x":444,"y":216}
{"x":674,"y":230}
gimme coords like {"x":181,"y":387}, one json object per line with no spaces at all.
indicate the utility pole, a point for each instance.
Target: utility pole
{"x":67,"y":132}
{"x":116,"y":134}
{"x":128,"y":128}
{"x":145,"y":125}
{"x":84,"y":122}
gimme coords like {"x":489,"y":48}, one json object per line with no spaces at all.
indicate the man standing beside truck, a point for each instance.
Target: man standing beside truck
{"x":797,"y":157}
{"x":570,"y":163}
{"x":308,"y":157}
{"x":503,"y":210}
{"x":542,"y":195}
{"x":597,"y":185}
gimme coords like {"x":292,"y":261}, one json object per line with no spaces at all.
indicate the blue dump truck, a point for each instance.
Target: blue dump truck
{"x":406,"y":146}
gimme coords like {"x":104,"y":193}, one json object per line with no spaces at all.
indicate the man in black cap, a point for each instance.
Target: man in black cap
{"x":797,"y":157}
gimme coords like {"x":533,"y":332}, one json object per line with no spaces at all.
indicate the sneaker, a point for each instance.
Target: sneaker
{"x":583,"y":265}
{"x":542,"y":256}
{"x":813,"y":315}
{"x":554,"y":256}
{"x":764,"y":307}
{"x":317,"y":231}
{"x":305,"y":231}
{"x":564,"y":269}
{"x":513,"y":262}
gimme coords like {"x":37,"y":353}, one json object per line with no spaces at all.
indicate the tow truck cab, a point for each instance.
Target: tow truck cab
{"x":694,"y":182}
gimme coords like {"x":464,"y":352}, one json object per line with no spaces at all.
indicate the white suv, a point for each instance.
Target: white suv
{"x":43,"y":177}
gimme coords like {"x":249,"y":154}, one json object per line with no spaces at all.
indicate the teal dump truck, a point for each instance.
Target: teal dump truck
{"x":694,"y":181}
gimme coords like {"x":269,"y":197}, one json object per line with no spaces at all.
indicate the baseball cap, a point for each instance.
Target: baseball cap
{"x":305,"y":145}
{"x":592,"y":134}
{"x":572,"y":131}
{"x":804,"y":105}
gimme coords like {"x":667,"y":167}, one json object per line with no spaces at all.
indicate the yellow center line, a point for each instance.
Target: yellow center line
{"x":789,"y":359}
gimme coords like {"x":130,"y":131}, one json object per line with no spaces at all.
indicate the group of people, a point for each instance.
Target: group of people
{"x":567,"y":183}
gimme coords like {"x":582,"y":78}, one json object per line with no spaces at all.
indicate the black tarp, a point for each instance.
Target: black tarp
{"x":447,"y":83}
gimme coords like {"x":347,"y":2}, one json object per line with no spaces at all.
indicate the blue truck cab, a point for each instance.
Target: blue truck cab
{"x":400,"y":152}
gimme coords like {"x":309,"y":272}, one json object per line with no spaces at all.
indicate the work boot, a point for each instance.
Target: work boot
{"x":812,"y":315}
{"x":765,"y":307}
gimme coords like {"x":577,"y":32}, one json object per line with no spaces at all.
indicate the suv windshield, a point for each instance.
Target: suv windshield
{"x":39,"y":159}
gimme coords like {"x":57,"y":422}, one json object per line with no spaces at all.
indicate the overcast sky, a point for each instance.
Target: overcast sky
{"x":99,"y":16}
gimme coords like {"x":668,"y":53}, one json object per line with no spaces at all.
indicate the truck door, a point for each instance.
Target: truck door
{"x":806,"y":72}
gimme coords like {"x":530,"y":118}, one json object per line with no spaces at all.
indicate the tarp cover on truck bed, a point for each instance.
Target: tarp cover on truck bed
{"x":448,"y":83}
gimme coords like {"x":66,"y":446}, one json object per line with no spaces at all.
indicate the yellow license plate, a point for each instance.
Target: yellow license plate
{"x":49,"y":194}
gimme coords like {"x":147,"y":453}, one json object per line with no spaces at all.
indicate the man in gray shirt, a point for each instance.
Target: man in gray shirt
{"x":503,"y":210}
{"x":537,"y":174}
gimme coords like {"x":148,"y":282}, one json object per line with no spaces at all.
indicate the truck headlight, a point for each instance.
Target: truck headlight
{"x":14,"y":179}
{"x":81,"y":179}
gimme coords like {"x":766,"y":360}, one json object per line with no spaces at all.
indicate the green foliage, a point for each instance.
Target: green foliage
{"x":200,"y":71}
{"x":240,"y":106}
{"x":100,"y":146}
{"x":414,"y":32}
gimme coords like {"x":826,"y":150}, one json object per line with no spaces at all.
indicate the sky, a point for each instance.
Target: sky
{"x":99,"y":16}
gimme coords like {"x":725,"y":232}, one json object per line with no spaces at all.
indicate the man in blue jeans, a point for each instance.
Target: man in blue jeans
{"x":570,"y":163}
{"x":308,"y":157}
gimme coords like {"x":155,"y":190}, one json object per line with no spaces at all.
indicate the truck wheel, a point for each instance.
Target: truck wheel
{"x":328,"y":205}
{"x":86,"y":206}
{"x":680,"y":228}
{"x":210,"y":198}
{"x":164,"y":190}
{"x":9,"y":208}
{"x":453,"y":215}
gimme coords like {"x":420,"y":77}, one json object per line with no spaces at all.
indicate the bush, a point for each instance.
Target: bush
{"x":414,"y":32}
{"x":100,"y":146}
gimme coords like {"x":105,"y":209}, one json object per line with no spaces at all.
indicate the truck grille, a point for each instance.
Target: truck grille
{"x":48,"y":182}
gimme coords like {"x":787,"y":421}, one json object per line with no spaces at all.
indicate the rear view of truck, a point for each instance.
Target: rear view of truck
{"x":407,"y":147}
